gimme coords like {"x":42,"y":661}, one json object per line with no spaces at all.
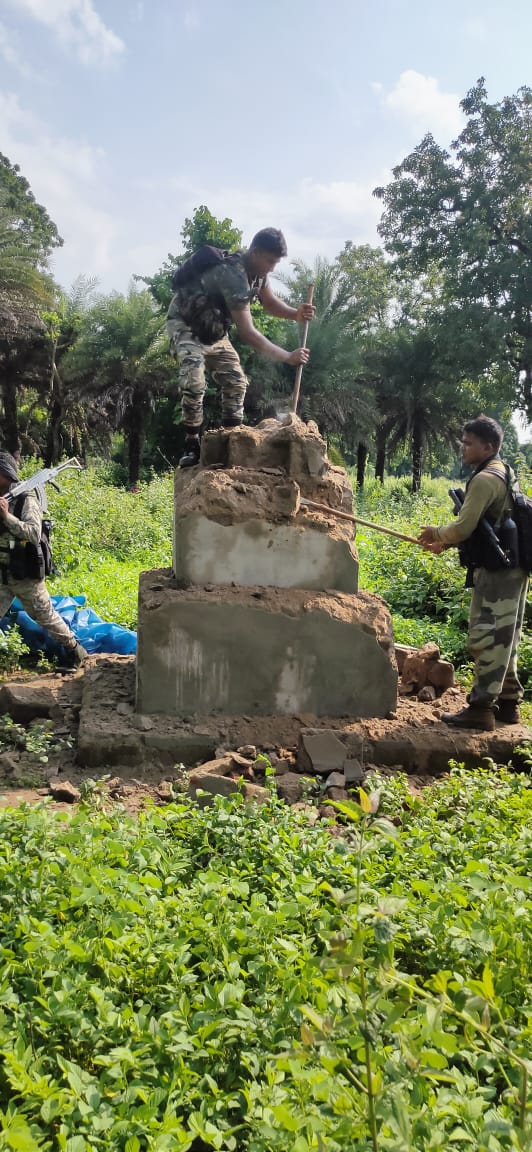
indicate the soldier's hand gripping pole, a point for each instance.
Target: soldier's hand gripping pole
{"x":299,"y":371}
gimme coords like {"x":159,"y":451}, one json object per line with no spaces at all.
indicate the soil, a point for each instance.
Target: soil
{"x":414,"y":734}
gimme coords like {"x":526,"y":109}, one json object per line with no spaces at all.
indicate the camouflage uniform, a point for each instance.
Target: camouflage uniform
{"x":33,"y":594}
{"x":495,"y":626}
{"x":228,"y":283}
{"x":498,"y":598}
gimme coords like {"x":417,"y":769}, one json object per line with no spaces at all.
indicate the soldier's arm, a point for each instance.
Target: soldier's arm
{"x":478,"y":498}
{"x":279,"y":308}
{"x":29,"y":526}
{"x":245,"y":327}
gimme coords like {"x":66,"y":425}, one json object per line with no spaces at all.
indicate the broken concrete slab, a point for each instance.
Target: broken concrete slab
{"x":27,"y":702}
{"x":353,"y":772}
{"x":321,"y":753}
{"x":261,"y":651}
{"x":221,"y":785}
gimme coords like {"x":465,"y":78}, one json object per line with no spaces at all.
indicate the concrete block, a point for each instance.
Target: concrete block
{"x":353,"y":772}
{"x":321,"y":753}
{"x":262,"y":651}
{"x":26,"y":702}
{"x":259,"y":552}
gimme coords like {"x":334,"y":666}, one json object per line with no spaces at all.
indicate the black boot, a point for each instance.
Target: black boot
{"x":508,"y":712}
{"x":73,"y":659}
{"x":479,"y":716}
{"x":191,"y":454}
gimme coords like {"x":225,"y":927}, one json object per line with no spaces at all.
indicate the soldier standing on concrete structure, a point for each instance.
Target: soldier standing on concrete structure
{"x":499,"y":596}
{"x":22,"y":565}
{"x":201,"y":312}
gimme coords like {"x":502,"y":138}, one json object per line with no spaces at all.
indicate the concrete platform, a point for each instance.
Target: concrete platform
{"x":112,"y":734}
{"x":262,"y":651}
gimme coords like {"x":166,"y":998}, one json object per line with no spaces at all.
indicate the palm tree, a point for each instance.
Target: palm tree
{"x":333,"y":391}
{"x":121,"y":362}
{"x":419,"y":401}
{"x":25,"y":289}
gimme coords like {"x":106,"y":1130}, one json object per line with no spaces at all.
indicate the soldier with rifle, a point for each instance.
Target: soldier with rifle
{"x":22,"y":562}
{"x":486,"y":537}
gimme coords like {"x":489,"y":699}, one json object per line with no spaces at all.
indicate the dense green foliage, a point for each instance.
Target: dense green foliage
{"x":104,"y":537}
{"x":235,"y":979}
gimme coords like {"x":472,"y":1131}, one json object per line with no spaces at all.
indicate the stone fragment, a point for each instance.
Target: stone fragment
{"x":248,"y":750}
{"x":427,"y":694}
{"x":257,"y":794}
{"x":291,"y":787}
{"x":240,"y":762}
{"x":212,"y":784}
{"x":8,"y":764}
{"x":421,"y":667}
{"x":124,"y":709}
{"x":337,"y":794}
{"x":64,"y":791}
{"x":322,"y":753}
{"x":335,"y":780}
{"x":165,"y":792}
{"x":353,"y":772}
{"x":221,"y":766}
{"x":26,"y":702}
{"x":142,"y":723}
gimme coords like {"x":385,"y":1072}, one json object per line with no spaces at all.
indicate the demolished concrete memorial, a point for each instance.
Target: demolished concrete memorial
{"x":261,"y":613}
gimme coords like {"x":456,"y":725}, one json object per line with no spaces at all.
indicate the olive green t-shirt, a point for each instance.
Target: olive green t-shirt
{"x":487,"y":495}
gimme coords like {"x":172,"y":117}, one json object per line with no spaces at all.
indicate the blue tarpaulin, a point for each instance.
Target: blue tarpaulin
{"x":89,"y":628}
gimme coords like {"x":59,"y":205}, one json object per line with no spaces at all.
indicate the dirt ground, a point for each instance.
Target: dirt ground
{"x":413,"y":734}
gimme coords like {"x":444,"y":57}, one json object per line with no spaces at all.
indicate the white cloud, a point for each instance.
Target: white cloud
{"x":65,"y":176}
{"x":77,"y":24}
{"x":418,"y":101}
{"x":316,"y":217}
{"x":10,"y":51}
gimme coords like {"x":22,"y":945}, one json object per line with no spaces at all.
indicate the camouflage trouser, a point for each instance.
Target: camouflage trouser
{"x":221,"y":360}
{"x":35,"y":599}
{"x":495,"y":626}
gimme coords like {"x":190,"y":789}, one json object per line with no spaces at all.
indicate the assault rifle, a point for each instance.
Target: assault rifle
{"x":485,"y":530}
{"x":39,"y":479}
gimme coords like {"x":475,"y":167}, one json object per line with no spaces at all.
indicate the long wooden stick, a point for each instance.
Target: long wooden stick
{"x":295,"y":394}
{"x":357,"y":520}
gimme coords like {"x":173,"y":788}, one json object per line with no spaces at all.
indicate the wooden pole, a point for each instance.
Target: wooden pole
{"x":356,"y":520}
{"x":299,"y":372}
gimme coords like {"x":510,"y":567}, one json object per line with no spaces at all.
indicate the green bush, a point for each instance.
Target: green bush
{"x":235,"y":979}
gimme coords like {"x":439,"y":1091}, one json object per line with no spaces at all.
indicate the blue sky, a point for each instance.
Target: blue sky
{"x":125,"y":115}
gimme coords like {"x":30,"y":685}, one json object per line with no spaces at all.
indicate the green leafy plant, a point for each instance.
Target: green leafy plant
{"x":233,"y":978}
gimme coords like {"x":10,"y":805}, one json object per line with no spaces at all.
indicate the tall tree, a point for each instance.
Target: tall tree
{"x":67,"y":418}
{"x":417,"y":396}
{"x":121,"y":360}
{"x":25,"y":289}
{"x":333,"y":392}
{"x":200,"y":228}
{"x":467,"y":212}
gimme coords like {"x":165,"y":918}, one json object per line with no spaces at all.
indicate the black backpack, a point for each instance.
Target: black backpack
{"x":205,"y":257}
{"x":522,"y":514}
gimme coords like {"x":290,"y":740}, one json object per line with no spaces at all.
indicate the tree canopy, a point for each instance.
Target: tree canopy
{"x":467,"y":212}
